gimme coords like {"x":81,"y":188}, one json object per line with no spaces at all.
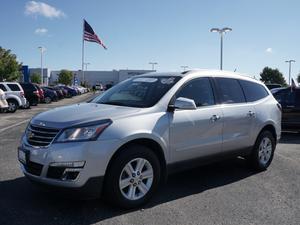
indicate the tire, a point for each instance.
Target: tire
{"x":47,"y":100}
{"x":263,"y":151}
{"x":34,"y":103}
{"x":12,"y":105}
{"x":27,"y":106}
{"x":117,"y":172}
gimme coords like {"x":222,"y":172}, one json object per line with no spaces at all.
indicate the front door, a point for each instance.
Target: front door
{"x":196,"y":133}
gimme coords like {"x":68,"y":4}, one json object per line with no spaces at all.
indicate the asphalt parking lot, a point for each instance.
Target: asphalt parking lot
{"x":222,"y":193}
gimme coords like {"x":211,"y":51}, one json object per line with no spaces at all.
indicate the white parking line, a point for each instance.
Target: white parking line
{"x":14,"y":125}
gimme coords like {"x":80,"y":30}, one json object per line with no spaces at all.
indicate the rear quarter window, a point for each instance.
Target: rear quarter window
{"x":14,"y":87}
{"x":253,"y":91}
{"x":3,"y":87}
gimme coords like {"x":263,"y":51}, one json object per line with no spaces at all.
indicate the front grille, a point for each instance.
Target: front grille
{"x":40,"y":136}
{"x":34,"y":168}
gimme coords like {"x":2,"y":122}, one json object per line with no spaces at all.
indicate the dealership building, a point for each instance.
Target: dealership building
{"x":90,"y":77}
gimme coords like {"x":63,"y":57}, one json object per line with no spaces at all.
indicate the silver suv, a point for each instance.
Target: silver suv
{"x":127,"y":140}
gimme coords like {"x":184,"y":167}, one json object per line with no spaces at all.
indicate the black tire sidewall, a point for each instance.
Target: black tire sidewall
{"x":255,"y":154}
{"x":113,"y":193}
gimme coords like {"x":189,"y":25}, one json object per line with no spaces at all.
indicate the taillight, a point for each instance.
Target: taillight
{"x":22,"y":93}
{"x":37,"y":93}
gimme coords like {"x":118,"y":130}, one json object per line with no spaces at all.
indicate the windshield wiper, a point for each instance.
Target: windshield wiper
{"x":113,"y":103}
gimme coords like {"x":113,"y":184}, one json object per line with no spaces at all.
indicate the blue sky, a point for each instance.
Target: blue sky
{"x":170,"y":32}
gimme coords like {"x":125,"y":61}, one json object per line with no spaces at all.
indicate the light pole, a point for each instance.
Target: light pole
{"x":184,"y":68}
{"x":42,"y":50}
{"x":221,"y":32}
{"x":86,"y":64}
{"x":290,"y":68}
{"x":153,"y":64}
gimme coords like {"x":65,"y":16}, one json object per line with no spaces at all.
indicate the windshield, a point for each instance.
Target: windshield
{"x":138,"y":92}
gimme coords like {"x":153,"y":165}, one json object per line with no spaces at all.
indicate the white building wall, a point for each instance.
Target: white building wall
{"x":103,"y":77}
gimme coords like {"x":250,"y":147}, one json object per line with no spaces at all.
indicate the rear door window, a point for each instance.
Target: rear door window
{"x":14,"y":87}
{"x":253,"y":91}
{"x":230,"y":90}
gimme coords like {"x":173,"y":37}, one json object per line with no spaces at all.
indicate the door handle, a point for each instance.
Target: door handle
{"x":251,"y":114}
{"x":214,"y":118}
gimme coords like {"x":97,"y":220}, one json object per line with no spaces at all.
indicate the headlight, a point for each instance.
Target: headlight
{"x":84,"y":132}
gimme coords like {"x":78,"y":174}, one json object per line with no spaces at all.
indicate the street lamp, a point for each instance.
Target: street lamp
{"x":42,"y":50}
{"x":86,"y":64}
{"x":184,"y":68}
{"x":290,"y":68}
{"x":153,"y":64}
{"x":221,"y":32}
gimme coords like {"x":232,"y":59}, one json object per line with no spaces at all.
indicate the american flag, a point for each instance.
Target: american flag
{"x":90,"y":35}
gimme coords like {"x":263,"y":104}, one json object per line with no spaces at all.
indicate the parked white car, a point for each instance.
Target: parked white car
{"x":3,"y":102}
{"x":14,"y":95}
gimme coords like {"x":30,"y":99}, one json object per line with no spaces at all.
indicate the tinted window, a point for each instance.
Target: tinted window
{"x":285,"y":97}
{"x":3,"y":87}
{"x":230,"y":90}
{"x":138,"y":91}
{"x":28,"y":87}
{"x":199,"y":90}
{"x":253,"y":91}
{"x":13,"y":87}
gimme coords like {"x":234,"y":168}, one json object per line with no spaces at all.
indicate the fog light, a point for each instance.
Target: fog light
{"x":78,"y":164}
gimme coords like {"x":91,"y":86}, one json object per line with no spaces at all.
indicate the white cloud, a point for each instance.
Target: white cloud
{"x":269,"y":50}
{"x":40,"y":31}
{"x":42,"y":9}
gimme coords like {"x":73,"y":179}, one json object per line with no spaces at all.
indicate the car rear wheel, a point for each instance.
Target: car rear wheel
{"x":27,"y":106}
{"x":263,"y":151}
{"x":12,"y":105}
{"x":133,"y":177}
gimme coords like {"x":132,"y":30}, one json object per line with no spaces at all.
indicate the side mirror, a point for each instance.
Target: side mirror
{"x":184,"y":103}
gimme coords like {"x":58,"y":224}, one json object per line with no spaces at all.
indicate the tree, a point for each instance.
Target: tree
{"x":35,"y":78}
{"x":274,"y":76}
{"x":65,"y":77}
{"x":298,"y":78}
{"x":10,"y":68}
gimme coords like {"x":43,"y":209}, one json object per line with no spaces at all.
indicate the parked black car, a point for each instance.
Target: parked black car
{"x":59,"y":92}
{"x":272,"y":86}
{"x":31,"y":93}
{"x":71,"y":92}
{"x":49,"y":95}
{"x":289,"y":98}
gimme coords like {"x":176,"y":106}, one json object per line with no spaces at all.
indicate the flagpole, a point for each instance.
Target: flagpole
{"x":82,"y":64}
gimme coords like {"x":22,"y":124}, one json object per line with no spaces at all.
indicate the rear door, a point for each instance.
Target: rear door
{"x":238,"y":116}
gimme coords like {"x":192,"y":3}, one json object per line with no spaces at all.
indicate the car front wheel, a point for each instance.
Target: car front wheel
{"x":133,"y":177}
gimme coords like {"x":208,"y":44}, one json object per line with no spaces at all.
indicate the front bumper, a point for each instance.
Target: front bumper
{"x":38,"y":165}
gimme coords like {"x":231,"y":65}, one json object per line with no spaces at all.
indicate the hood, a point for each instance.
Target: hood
{"x":66,"y":116}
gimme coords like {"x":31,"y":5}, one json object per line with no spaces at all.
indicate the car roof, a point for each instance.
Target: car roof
{"x":204,"y":72}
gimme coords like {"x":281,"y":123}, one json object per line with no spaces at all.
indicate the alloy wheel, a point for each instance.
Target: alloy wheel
{"x":136,"y":179}
{"x":265,"y":150}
